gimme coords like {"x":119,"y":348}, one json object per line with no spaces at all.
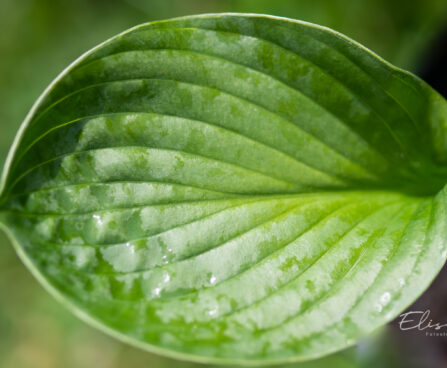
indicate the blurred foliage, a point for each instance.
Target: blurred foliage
{"x":38,"y":38}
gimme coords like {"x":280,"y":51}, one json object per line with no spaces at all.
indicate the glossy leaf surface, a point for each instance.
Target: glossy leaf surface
{"x":232,"y":188}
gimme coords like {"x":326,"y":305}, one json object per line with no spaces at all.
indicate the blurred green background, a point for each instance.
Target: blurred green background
{"x":38,"y":38}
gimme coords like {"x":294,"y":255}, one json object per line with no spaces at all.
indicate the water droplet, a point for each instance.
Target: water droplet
{"x":385,"y":298}
{"x":166,"y":257}
{"x":213,"y":280}
{"x":131,"y":248}
{"x":167,"y":278}
{"x":212,"y":312}
{"x":98,"y":219}
{"x":383,"y":301}
{"x":157,"y":291}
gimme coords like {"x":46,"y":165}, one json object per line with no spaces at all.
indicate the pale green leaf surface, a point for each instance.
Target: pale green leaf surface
{"x":232,"y":188}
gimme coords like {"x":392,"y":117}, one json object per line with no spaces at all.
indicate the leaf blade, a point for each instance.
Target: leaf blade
{"x":225,"y":188}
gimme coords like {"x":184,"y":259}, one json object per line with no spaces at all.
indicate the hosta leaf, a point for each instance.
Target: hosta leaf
{"x":232,"y":188}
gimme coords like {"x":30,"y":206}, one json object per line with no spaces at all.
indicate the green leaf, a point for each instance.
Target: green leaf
{"x":232,"y":188}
